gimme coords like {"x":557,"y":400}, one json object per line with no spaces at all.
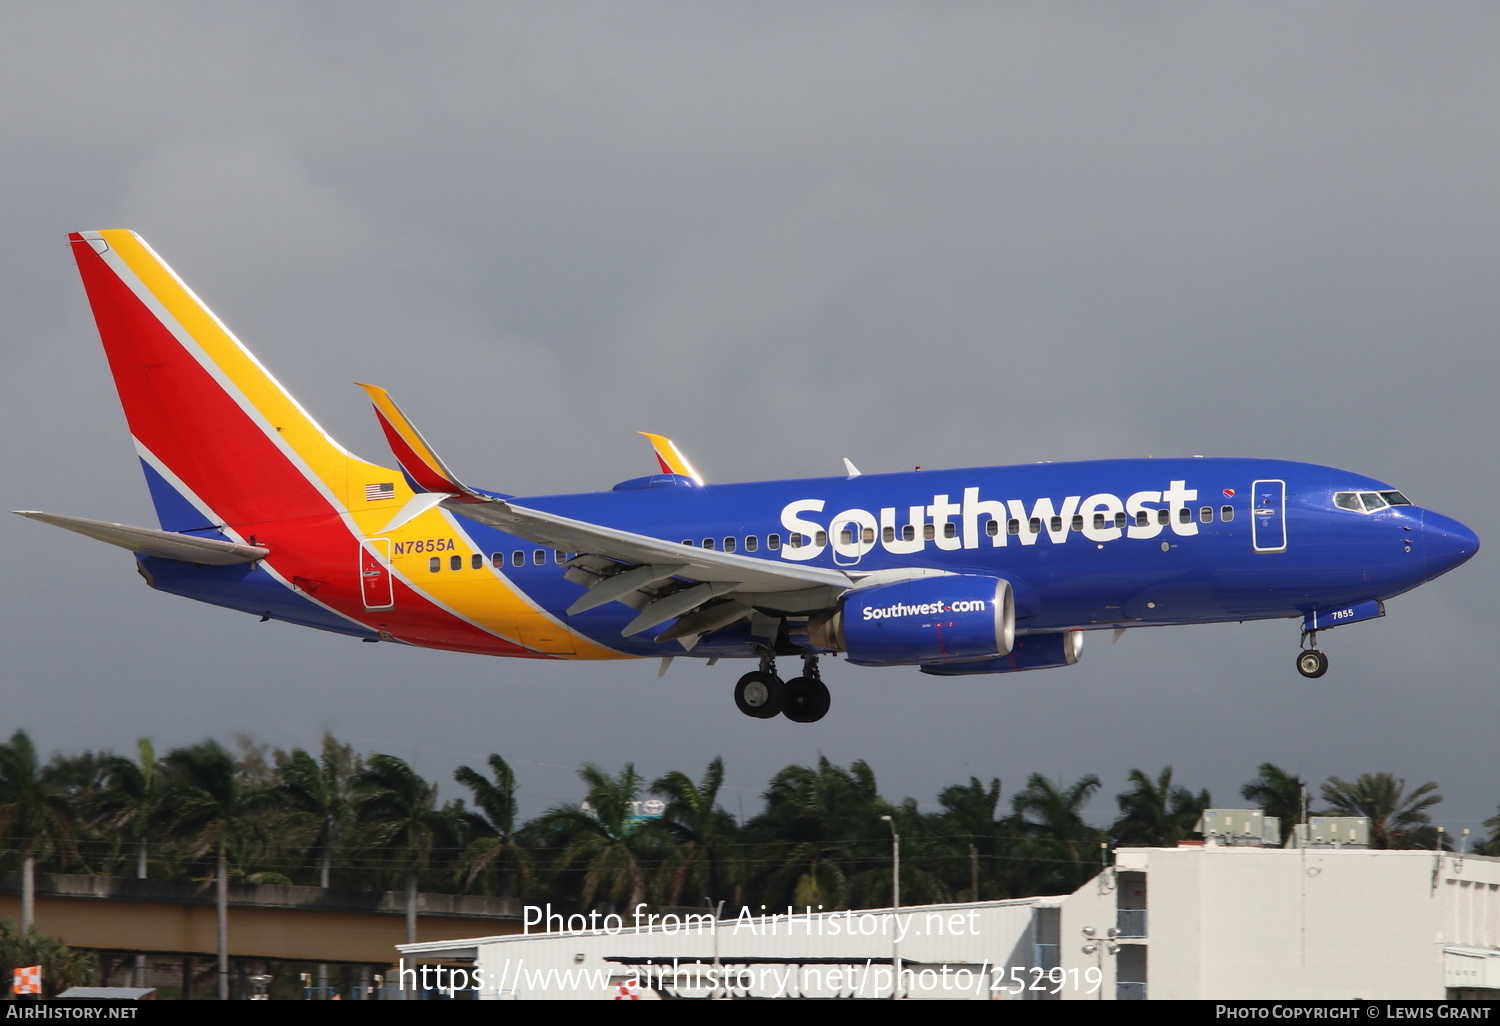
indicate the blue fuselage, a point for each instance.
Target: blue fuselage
{"x":1103,"y":544}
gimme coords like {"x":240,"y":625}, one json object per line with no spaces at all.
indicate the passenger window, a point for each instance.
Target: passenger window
{"x":708,"y":543}
{"x":950,"y":530}
{"x":795,"y":541}
{"x":1164,"y":517}
{"x":455,"y":562}
{"x":821,"y":538}
{"x":1226,"y":514}
{"x":751,"y":543}
{"x":1078,"y":522}
{"x":1142,"y":518}
{"x":887,"y":533}
{"x":867,"y":536}
{"x":497,"y":560}
{"x":1055,"y":523}
{"x":1035,"y":523}
{"x":928,"y":532}
{"x":539,"y":557}
{"x":559,"y":557}
{"x":1013,"y":527}
{"x":435,"y":564}
{"x":773,"y":541}
{"x":1348,"y":500}
{"x":1120,"y":519}
{"x":1098,"y":521}
{"x":1206,"y":514}
{"x":729,"y":545}
{"x":908,"y":533}
{"x":992,"y":527}
{"x":846,"y":537}
{"x":518,"y":558}
{"x":476,"y":562}
{"x":687,"y":541}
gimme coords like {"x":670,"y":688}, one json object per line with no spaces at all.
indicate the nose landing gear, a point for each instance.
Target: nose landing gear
{"x":761,"y":694}
{"x":1310,"y":661}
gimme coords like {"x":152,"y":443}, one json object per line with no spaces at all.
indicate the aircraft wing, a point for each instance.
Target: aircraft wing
{"x":702,"y":589}
{"x":647,"y":563}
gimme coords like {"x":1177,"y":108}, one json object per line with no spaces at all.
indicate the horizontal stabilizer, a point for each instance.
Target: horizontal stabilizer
{"x":151,"y":542}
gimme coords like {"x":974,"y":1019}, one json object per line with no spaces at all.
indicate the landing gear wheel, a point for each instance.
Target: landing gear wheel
{"x":760,"y":694}
{"x":807,"y":700}
{"x":1312,"y":663}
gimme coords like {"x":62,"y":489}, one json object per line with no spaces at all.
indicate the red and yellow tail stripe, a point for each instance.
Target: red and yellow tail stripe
{"x":234,"y":442}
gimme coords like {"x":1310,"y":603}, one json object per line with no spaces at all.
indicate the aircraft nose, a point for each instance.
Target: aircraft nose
{"x":1445,"y":543}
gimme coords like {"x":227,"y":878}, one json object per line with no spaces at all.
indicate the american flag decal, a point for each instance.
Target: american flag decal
{"x":376,"y":492}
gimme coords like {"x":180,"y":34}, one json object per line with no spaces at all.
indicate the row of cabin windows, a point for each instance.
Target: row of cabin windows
{"x":867,"y":536}
{"x":497,"y":560}
{"x":752,"y":543}
{"x":950,"y":530}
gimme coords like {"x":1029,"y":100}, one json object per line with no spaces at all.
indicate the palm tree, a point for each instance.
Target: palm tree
{"x":1049,"y":816}
{"x":819,"y":826}
{"x":614,"y":849}
{"x":317,"y":792}
{"x":1279,"y":794}
{"x":1492,"y":846}
{"x":398,"y":810}
{"x":1155,"y":812}
{"x":969,"y":818}
{"x":34,"y":814}
{"x":1397,"y":819}
{"x":494,"y":827}
{"x":700,"y":828}
{"x":129,"y":804}
{"x":207,"y":805}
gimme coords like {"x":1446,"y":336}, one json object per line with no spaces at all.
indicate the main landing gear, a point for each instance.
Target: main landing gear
{"x":1310,"y":661}
{"x":763,"y":695}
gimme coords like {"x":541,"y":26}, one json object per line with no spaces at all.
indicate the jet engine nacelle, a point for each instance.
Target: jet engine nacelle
{"x":927,"y":620}
{"x":1031,"y":652}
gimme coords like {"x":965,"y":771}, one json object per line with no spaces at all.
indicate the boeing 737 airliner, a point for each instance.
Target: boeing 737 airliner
{"x":984,"y":570}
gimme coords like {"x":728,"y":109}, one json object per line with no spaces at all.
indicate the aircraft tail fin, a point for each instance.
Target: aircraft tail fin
{"x":221,"y":440}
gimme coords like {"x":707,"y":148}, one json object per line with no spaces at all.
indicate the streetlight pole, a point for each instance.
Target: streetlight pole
{"x":895,"y":904}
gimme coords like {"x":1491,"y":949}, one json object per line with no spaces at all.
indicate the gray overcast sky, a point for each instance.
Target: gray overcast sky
{"x":782,"y":233}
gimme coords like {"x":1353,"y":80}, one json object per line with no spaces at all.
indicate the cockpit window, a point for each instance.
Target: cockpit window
{"x":1369,"y":502}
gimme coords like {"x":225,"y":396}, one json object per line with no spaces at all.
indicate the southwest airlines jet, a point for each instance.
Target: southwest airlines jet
{"x":984,"y":570}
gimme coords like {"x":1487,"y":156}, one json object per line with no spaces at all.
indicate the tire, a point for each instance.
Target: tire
{"x":807,"y":700}
{"x":760,"y":695}
{"x":1312,"y":663}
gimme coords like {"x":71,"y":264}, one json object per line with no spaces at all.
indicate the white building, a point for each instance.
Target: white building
{"x":1206,"y":922}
